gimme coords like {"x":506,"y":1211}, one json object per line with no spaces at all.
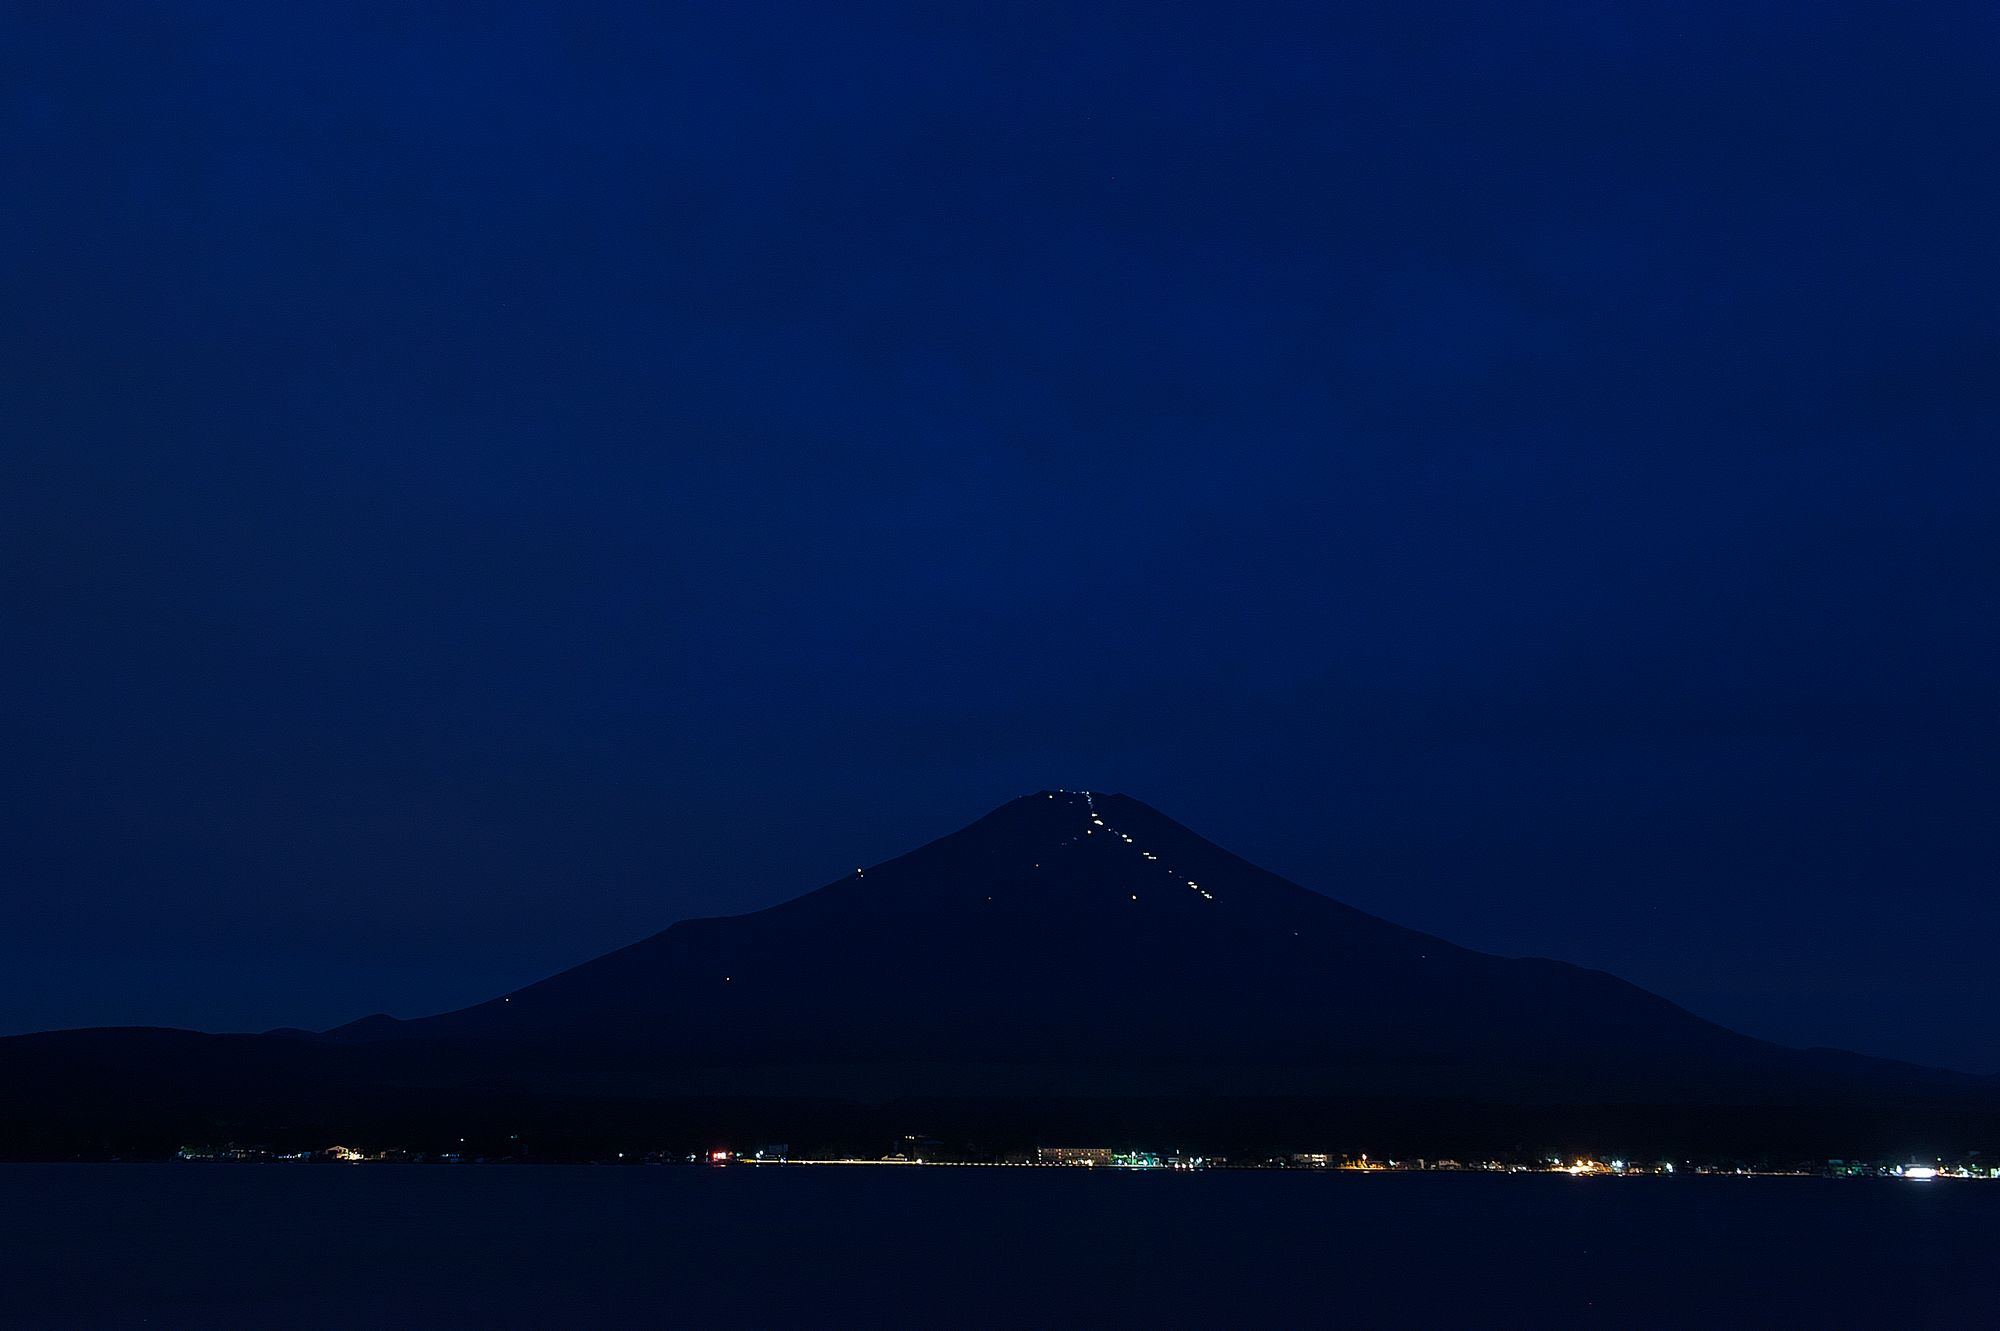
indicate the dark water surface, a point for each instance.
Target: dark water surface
{"x":553,"y":1246}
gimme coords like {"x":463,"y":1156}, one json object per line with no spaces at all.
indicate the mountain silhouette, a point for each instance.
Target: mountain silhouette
{"x":1066,"y":955}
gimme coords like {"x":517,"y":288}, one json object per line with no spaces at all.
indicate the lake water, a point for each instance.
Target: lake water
{"x":218,"y":1246}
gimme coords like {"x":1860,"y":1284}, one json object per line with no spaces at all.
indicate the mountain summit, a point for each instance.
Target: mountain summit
{"x":1071,"y":961}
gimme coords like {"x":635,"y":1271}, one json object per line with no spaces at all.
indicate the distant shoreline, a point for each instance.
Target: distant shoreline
{"x":1914,"y":1172}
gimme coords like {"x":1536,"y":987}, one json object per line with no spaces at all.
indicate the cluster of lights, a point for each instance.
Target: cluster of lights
{"x":1098,"y":822}
{"x":1193,"y":886}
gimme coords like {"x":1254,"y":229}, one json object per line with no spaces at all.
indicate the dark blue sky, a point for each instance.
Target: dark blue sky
{"x":481,"y":482}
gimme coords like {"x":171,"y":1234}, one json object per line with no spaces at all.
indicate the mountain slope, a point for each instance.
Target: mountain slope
{"x":1090,"y":933}
{"x":1071,"y":965}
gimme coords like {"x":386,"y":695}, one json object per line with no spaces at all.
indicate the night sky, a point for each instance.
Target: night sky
{"x":479,"y":483}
